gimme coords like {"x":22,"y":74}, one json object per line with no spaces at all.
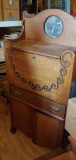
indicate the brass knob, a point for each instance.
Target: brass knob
{"x":17,"y":93}
{"x":54,"y":109}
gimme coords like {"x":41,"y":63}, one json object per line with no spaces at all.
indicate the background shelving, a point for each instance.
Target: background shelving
{"x":10,"y":23}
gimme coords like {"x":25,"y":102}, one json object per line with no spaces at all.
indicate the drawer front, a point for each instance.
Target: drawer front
{"x":50,"y":107}
{"x":38,"y":102}
{"x":22,"y":94}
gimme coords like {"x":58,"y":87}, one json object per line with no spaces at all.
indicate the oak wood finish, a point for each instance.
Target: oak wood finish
{"x":56,"y":152}
{"x":67,"y":38}
{"x":39,"y":71}
{"x":21,"y":116}
{"x":35,"y":62}
{"x":47,"y":131}
{"x":72,"y":144}
{"x":38,"y":102}
{"x":17,"y":146}
{"x":67,"y":156}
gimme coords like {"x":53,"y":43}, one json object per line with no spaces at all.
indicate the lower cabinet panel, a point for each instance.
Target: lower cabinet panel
{"x":44,"y":130}
{"x":47,"y":131}
{"x":21,"y":117}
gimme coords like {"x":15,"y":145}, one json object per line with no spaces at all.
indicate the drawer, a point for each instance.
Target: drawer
{"x":22,"y":94}
{"x":50,"y":107}
{"x":38,"y":102}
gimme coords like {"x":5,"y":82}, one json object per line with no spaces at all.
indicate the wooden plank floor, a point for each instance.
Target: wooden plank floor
{"x":16,"y":146}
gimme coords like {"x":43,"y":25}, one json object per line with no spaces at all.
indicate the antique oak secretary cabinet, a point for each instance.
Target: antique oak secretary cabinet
{"x":39,"y":68}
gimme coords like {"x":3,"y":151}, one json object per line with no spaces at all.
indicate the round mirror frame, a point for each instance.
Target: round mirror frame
{"x":53,"y":26}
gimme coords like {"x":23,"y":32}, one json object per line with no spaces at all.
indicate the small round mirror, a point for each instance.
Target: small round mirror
{"x":53,"y":26}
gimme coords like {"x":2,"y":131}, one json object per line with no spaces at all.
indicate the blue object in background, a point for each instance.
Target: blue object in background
{"x":73,"y":90}
{"x":11,"y":18}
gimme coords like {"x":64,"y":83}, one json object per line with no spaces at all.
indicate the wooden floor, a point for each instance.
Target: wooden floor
{"x":16,"y":146}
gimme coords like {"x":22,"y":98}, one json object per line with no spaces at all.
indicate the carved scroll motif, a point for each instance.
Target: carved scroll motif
{"x":60,"y":80}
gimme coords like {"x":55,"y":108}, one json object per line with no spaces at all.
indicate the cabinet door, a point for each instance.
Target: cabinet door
{"x":47,"y":131}
{"x":21,"y":116}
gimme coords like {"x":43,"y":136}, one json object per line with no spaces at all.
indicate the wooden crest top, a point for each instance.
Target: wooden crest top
{"x":34,"y":28}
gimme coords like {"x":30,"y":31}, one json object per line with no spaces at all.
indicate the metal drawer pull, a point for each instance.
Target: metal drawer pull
{"x":17,"y":93}
{"x":54,"y":109}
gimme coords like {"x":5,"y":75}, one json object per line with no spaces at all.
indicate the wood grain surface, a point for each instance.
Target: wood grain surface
{"x":16,"y":146}
{"x":67,"y":156}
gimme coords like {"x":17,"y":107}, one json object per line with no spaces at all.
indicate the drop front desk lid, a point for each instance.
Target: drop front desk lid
{"x":46,"y":49}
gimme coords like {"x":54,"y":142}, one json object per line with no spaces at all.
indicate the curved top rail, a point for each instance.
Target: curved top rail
{"x":34,"y":28}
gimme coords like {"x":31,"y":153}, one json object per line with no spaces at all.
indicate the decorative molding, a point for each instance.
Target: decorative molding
{"x":60,"y":80}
